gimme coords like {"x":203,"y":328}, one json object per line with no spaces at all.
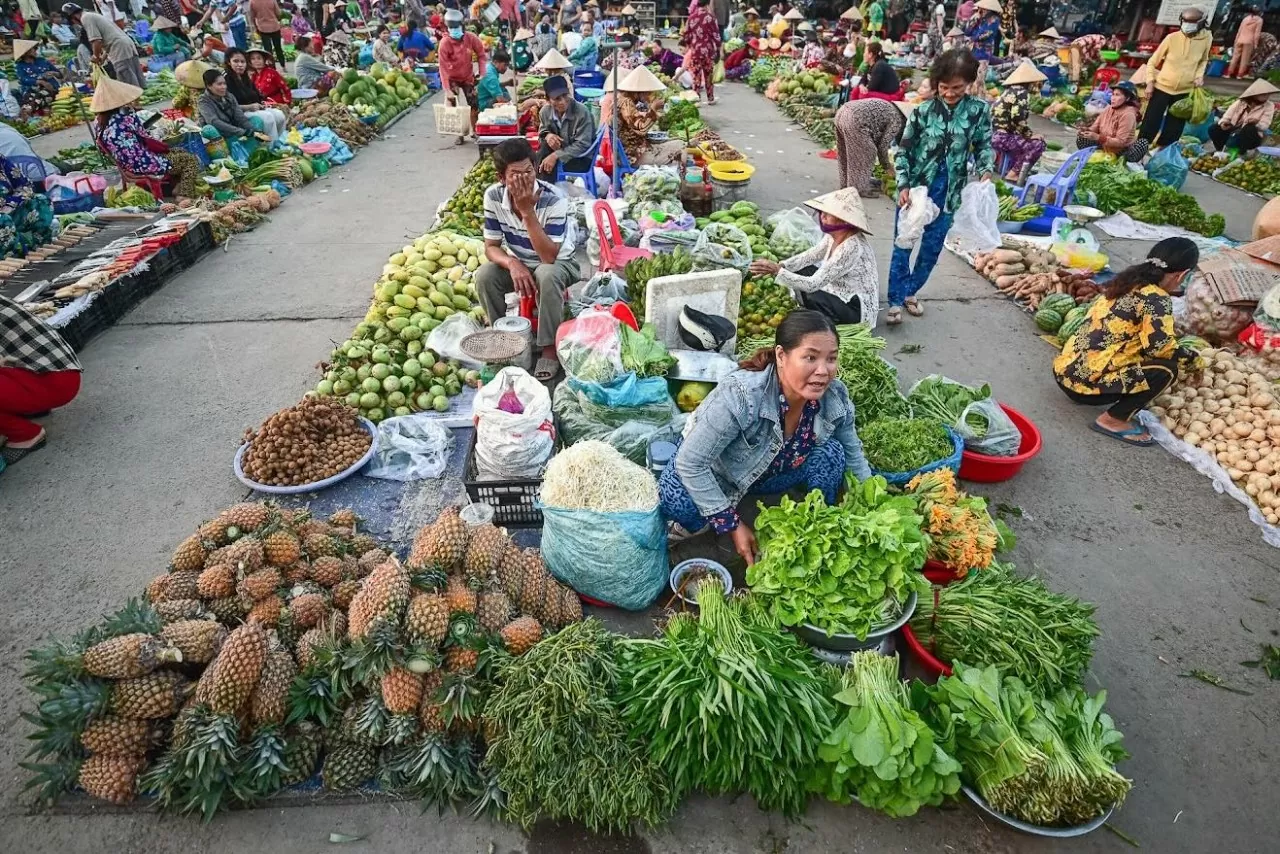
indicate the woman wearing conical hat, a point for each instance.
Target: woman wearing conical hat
{"x":1011,"y":135}
{"x":1246,"y":122}
{"x":134,"y":150}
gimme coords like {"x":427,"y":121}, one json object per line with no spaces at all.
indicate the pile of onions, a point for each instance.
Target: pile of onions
{"x":1231,"y":413}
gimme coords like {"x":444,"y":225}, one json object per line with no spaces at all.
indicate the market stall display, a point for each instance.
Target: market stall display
{"x":309,"y":442}
{"x":1111,"y":187}
{"x":389,"y":91}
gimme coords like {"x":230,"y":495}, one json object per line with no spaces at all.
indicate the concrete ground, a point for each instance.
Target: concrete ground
{"x":1182,"y":580}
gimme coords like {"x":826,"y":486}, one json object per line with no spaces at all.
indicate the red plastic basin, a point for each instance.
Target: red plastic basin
{"x":940,"y":574}
{"x":987,"y":469}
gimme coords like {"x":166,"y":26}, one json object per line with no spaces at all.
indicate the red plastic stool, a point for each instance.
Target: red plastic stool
{"x":150,"y":183}
{"x":613,"y":256}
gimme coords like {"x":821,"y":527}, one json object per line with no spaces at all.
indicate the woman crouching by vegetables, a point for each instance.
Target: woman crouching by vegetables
{"x":1126,"y":352}
{"x":781,"y":422}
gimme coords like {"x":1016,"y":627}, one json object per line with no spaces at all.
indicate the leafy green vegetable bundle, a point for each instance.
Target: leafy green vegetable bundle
{"x":905,"y":444}
{"x":1048,"y":761}
{"x":728,"y":703}
{"x":643,"y":353}
{"x":1041,"y":637}
{"x":558,"y":743}
{"x":946,"y":400}
{"x":846,"y":569}
{"x":1115,"y":188}
{"x":871,"y":381}
{"x":882,"y":752}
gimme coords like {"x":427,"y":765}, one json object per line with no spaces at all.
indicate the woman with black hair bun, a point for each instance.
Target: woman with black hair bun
{"x":1126,"y":353}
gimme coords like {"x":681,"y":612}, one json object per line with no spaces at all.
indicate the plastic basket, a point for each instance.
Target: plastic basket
{"x":514,"y":502}
{"x":454,"y":121}
{"x":952,"y":462}
{"x":194,"y":143}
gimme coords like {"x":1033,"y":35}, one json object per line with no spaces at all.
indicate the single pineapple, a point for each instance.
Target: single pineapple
{"x":230,"y":609}
{"x":281,"y":548}
{"x":401,"y":691}
{"x":213,"y":532}
{"x":113,"y":736}
{"x":308,"y":527}
{"x":493,"y":610}
{"x":319,"y":545}
{"x":344,"y":518}
{"x":156,"y":695}
{"x":431,"y":709}
{"x":229,"y":681}
{"x":570,"y":606}
{"x":484,"y":550}
{"x":183,"y":584}
{"x":301,"y":752}
{"x":216,"y":582}
{"x":245,"y":518}
{"x":460,"y":654}
{"x":348,"y":766}
{"x":442,"y":544}
{"x":189,"y":554}
{"x":111,"y":778}
{"x":198,"y":640}
{"x":461,"y":597}
{"x":172,"y":610}
{"x":369,"y":561}
{"x":246,"y":554}
{"x":533,"y":589}
{"x":267,"y":611}
{"x":335,"y":623}
{"x":297,"y":571}
{"x":270,"y":699}
{"x":426,"y":622}
{"x":308,"y":610}
{"x":383,"y":598}
{"x":261,"y":584}
{"x":549,"y":611}
{"x":344,"y":591}
{"x":521,"y":634}
{"x":362,"y":543}
{"x":510,"y":571}
{"x":305,"y":648}
{"x":326,"y":571}
{"x":127,"y":656}
{"x":157,"y":588}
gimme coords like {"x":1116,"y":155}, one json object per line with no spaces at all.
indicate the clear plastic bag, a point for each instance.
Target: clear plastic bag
{"x":919,"y":212}
{"x":629,"y":429}
{"x":590,"y":346}
{"x":602,"y":289}
{"x":722,"y":246}
{"x":651,"y":183}
{"x":411,"y":447}
{"x":513,"y":444}
{"x":975,"y":225}
{"x":446,"y":339}
{"x":794,"y":231}
{"x":1000,"y":438}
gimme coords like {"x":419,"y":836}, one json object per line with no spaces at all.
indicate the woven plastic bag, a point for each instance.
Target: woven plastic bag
{"x":617,"y":558}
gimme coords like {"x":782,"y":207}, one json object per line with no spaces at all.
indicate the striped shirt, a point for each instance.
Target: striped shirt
{"x":552,"y":208}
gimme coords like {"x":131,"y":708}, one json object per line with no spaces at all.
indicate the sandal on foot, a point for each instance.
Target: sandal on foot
{"x":893,"y":316}
{"x":1123,"y":435}
{"x":546,"y":369}
{"x":11,"y":454}
{"x":914,"y":308}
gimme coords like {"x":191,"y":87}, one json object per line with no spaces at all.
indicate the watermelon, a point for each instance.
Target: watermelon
{"x":1049,"y":319}
{"x":1070,"y":325}
{"x":1059,"y":302}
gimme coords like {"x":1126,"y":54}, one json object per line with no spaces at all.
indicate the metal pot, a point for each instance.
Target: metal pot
{"x":816,"y":637}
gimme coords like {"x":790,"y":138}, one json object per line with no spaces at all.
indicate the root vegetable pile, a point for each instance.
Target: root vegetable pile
{"x":1028,"y":274}
{"x":314,"y":440}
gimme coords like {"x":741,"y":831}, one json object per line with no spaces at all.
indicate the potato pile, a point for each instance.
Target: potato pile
{"x":314,"y":440}
{"x":1230,"y":412}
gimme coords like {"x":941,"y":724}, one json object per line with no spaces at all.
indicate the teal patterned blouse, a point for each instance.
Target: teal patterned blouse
{"x":937,"y":134}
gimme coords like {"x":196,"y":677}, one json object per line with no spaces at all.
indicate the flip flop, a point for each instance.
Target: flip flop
{"x":546,"y":369}
{"x":913,"y":307}
{"x":11,"y":454}
{"x":893,"y":316}
{"x":1119,"y":435}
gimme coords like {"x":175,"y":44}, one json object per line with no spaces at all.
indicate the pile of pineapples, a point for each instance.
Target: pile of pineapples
{"x":278,"y":643}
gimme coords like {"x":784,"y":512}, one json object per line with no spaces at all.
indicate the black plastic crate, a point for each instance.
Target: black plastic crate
{"x":513,"y":501}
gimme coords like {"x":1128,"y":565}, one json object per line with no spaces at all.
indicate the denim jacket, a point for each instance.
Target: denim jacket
{"x":737,"y":432}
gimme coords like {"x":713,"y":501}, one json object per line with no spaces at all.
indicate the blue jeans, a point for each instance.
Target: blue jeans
{"x":240,"y":32}
{"x":903,"y":281}
{"x":823,"y":469}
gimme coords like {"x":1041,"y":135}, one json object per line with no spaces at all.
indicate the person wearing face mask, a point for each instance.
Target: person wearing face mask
{"x":783,"y":421}
{"x":1127,"y":352}
{"x":457,"y":53}
{"x":1180,"y":63}
{"x":838,"y":276}
{"x":1246,"y":41}
{"x":941,"y":136}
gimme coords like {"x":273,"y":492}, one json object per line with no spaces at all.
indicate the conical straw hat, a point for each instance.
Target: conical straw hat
{"x":161,"y":23}
{"x":794,"y":15}
{"x":1051,"y":33}
{"x":853,"y":13}
{"x":523,"y":35}
{"x":641,"y":79}
{"x":22,"y":46}
{"x":191,"y":73}
{"x":553,"y":60}
{"x":1139,"y":77}
{"x":628,"y":9}
{"x":112,"y":94}
{"x":1025,"y":73}
{"x":990,"y":6}
{"x":955,"y":31}
{"x":845,"y":204}
{"x":1259,"y":87}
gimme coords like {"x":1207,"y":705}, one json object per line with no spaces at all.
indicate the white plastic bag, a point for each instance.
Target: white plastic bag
{"x":510,"y":444}
{"x":794,"y":231}
{"x":411,"y":447}
{"x":446,"y":339}
{"x":974,"y":227}
{"x":912,"y":220}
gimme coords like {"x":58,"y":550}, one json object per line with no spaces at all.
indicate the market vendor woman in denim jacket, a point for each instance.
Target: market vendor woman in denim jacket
{"x":781,"y":422}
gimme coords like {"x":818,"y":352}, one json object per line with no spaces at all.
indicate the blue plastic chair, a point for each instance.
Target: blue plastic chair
{"x":588,"y":177}
{"x":1063,"y":182}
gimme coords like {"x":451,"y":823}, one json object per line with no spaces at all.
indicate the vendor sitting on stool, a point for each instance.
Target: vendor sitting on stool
{"x":1247,"y":121}
{"x":220,"y":111}
{"x":1126,"y":353}
{"x":782,"y":422}
{"x":1115,"y":129}
{"x":529,"y":239}
{"x":567,"y":130}
{"x":837,"y":277}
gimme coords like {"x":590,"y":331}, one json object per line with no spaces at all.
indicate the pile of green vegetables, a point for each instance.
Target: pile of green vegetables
{"x":643,"y":353}
{"x":558,"y":743}
{"x":871,"y":381}
{"x":882,"y":752}
{"x":1043,"y":638}
{"x":681,"y":118}
{"x":1111,"y":188}
{"x":946,"y":400}
{"x":895,"y":445}
{"x":640,"y":271}
{"x":728,"y":703}
{"x":847,"y":568}
{"x":1049,"y":760}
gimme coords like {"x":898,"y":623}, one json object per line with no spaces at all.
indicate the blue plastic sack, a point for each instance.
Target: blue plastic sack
{"x":617,"y":558}
{"x":902,"y":478}
{"x":339,"y":152}
{"x":1169,"y":167}
{"x":365,"y":58}
{"x":625,"y":390}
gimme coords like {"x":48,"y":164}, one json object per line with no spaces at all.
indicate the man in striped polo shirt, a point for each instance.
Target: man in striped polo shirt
{"x":530,"y":236}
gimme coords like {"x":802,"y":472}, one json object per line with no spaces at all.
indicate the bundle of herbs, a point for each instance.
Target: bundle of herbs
{"x":961,"y":532}
{"x":871,"y":381}
{"x":946,"y":400}
{"x":897,"y":445}
{"x":997,"y":617}
{"x":882,"y":752}
{"x":847,"y":568}
{"x":728,"y":703}
{"x":1047,"y":761}
{"x":558,"y":745}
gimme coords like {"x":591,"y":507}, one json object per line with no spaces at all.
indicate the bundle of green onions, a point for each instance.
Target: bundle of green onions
{"x":997,"y":617}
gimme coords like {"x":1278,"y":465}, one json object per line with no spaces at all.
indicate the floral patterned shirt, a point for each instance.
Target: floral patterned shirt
{"x":123,"y":140}
{"x":938,"y":136}
{"x":701,"y":38}
{"x":984,"y":34}
{"x":1011,"y":111}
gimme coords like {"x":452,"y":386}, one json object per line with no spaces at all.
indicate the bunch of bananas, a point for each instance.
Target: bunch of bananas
{"x":69,"y":104}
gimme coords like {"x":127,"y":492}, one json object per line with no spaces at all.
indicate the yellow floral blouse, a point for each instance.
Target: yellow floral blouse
{"x":1106,"y":354}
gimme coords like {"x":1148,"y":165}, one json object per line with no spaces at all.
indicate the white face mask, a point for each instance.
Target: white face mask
{"x":1190,"y":28}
